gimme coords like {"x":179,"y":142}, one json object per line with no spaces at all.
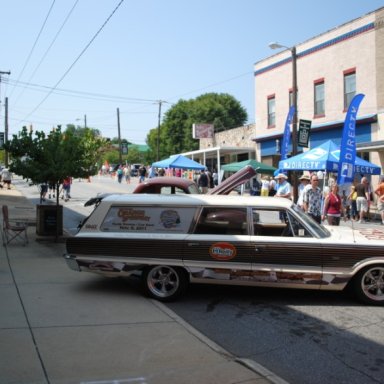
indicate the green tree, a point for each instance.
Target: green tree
{"x":222,"y":110}
{"x":55,"y":156}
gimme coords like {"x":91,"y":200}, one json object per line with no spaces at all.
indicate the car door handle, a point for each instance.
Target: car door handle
{"x":260,"y":248}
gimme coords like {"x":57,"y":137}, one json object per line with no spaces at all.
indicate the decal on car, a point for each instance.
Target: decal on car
{"x":222,"y":251}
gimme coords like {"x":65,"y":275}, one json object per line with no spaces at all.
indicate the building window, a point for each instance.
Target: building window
{"x":319,"y":102}
{"x":349,"y":87}
{"x":271,"y":111}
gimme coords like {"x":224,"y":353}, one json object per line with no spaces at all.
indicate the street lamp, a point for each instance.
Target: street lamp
{"x":276,"y":45}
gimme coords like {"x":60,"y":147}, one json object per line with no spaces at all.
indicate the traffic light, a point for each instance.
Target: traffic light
{"x":1,"y":140}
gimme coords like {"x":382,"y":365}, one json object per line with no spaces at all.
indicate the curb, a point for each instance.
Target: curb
{"x":248,"y":363}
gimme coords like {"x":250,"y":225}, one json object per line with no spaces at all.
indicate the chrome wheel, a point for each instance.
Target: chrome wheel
{"x":164,"y":283}
{"x":369,"y":284}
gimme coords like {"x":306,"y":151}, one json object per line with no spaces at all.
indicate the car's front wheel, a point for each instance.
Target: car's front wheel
{"x":368,"y":285}
{"x":164,"y":283}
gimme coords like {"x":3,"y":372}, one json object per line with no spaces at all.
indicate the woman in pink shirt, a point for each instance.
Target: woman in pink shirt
{"x":333,"y":207}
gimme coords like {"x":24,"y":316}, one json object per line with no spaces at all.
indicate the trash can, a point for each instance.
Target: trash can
{"x":49,"y":220}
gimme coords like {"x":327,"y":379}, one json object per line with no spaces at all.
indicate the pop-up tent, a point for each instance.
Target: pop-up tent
{"x":256,"y":165}
{"x":325,"y":157}
{"x":178,"y":161}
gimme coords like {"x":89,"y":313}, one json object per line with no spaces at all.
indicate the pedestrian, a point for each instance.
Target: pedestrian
{"x":67,"y":188}
{"x":6,"y":177}
{"x":142,"y":174}
{"x":312,"y":199}
{"x":51,"y":190}
{"x":272,"y":187}
{"x":43,"y":191}
{"x":120,"y":174}
{"x":265,"y":186}
{"x":352,"y":197}
{"x":333,"y":207}
{"x":203,"y":182}
{"x":283,"y":188}
{"x":127,"y":174}
{"x":362,"y":198}
{"x":304,"y":181}
{"x":379,"y":191}
{"x":215,"y":178}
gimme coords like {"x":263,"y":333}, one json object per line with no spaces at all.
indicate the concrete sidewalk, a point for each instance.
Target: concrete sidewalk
{"x":60,"y":327}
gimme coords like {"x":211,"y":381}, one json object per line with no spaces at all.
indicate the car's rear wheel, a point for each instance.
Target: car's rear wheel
{"x":164,"y":283}
{"x":368,"y":285}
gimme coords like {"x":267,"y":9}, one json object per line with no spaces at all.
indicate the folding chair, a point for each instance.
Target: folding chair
{"x":13,"y":229}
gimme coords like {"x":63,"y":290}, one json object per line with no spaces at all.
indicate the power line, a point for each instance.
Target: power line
{"x":47,"y":50}
{"x":76,"y":60}
{"x":73,"y":93}
{"x":34,"y":44}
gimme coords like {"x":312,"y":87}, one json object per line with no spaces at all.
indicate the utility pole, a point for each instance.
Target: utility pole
{"x":119,"y":136}
{"x":85,"y":121}
{"x":6,"y":131}
{"x":160,"y":102}
{"x":5,"y":118}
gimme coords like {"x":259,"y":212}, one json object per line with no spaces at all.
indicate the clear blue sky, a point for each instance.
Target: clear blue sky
{"x":149,"y":50}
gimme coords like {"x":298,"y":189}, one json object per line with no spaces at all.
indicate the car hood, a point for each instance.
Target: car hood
{"x":363,"y":236}
{"x":238,"y":178}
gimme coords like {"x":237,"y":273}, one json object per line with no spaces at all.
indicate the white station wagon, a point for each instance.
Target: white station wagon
{"x":174,"y":240}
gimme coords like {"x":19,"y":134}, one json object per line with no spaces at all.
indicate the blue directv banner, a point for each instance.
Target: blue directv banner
{"x":287,"y":133}
{"x":348,"y":143}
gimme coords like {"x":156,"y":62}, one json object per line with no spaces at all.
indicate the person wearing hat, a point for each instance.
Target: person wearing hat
{"x":283,"y":188}
{"x":304,"y":181}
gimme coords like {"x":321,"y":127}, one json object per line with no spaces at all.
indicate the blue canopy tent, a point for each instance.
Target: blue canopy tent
{"x":325,"y":157}
{"x":180,"y":162}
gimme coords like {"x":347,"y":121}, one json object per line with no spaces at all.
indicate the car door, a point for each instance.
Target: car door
{"x":219,"y":247}
{"x":285,"y":252}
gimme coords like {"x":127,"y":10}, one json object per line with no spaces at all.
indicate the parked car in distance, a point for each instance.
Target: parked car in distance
{"x":167,"y":185}
{"x":172,"y":185}
{"x":174,"y":240}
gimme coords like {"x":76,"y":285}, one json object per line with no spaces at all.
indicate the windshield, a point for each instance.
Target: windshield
{"x":193,"y":189}
{"x":318,"y":229}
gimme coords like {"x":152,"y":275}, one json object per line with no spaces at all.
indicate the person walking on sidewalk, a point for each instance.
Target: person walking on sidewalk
{"x":312,"y":199}
{"x":362,"y":198}
{"x":379,"y":191}
{"x":6,"y":177}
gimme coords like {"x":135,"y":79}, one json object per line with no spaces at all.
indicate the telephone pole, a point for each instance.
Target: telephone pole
{"x":119,"y":136}
{"x":5,"y":118}
{"x":160,"y":102}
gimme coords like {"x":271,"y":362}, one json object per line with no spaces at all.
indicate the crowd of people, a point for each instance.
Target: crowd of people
{"x":328,"y":204}
{"x":324,"y":204}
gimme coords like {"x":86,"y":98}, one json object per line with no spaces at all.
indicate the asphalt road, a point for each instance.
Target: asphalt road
{"x":303,"y":336}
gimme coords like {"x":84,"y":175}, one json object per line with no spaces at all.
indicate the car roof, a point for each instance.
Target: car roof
{"x":196,"y":200}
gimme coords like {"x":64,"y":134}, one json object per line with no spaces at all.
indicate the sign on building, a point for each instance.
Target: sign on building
{"x":304,"y":131}
{"x":203,"y":131}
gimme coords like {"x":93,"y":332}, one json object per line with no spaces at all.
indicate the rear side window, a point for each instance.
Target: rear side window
{"x":148,"y":219}
{"x":222,"y":221}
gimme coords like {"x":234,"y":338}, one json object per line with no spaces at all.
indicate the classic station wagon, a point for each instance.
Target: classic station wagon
{"x":174,"y":240}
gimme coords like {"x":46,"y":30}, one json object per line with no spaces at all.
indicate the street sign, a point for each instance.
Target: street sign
{"x":124,"y":148}
{"x":304,"y":130}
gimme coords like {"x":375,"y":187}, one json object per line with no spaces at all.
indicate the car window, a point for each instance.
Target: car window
{"x":222,"y":221}
{"x":277,"y":222}
{"x":171,"y":190}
